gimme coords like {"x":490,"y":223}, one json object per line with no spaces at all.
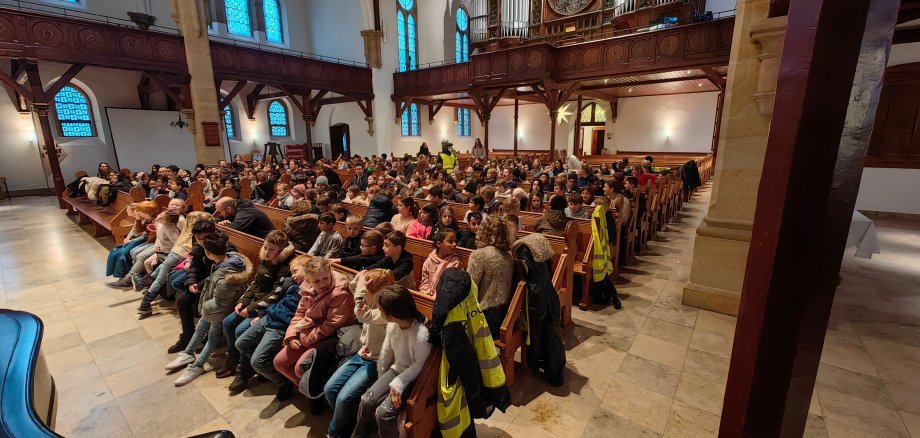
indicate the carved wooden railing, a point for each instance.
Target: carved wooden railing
{"x":693,"y":45}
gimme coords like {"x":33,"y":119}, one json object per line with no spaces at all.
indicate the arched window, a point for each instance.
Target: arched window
{"x":278,"y":119}
{"x":410,"y":124}
{"x":73,"y":113}
{"x":238,"y":22}
{"x":271,"y":10}
{"x":593,"y":114}
{"x":405,"y":33}
{"x":463,"y":36}
{"x":230,"y":122}
{"x":463,"y":122}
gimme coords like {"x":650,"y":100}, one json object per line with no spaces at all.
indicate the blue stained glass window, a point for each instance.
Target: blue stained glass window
{"x":401,"y":36}
{"x":462,"y":20}
{"x":238,"y":17}
{"x":406,"y":4}
{"x":462,"y":43}
{"x":228,"y":121}
{"x":277,"y":119}
{"x":410,"y":123}
{"x":73,"y":113}
{"x":466,"y":48}
{"x":413,"y":59}
{"x":272,"y":13}
{"x":463,"y":122}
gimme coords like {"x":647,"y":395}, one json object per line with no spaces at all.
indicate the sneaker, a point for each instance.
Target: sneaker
{"x":179,"y":345}
{"x":144,"y":310}
{"x":191,"y":373}
{"x":228,"y":368}
{"x":285,"y":391}
{"x":239,"y":384}
{"x":123,"y":283}
{"x":182,"y":360}
{"x":137,"y":283}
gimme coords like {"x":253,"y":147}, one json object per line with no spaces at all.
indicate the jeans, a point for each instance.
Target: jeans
{"x":161,"y":274}
{"x":211,"y":331}
{"x":119,"y":259}
{"x":376,"y":414}
{"x":186,"y":303}
{"x":234,"y":326}
{"x":343,"y":392}
{"x":139,"y":254}
{"x":257,"y":347}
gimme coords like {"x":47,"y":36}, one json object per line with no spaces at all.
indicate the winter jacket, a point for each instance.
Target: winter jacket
{"x":351,"y":246}
{"x":320,"y":314}
{"x":401,"y":268}
{"x":361,"y":262}
{"x":404,"y":351}
{"x":468,"y":357}
{"x":552,"y":222}
{"x":278,"y":315}
{"x":432,"y":269}
{"x":262,"y":291}
{"x":379,"y":210}
{"x":466,"y":239}
{"x":302,"y":230}
{"x":250,"y":220}
{"x":491,"y":269}
{"x":199,"y":266}
{"x":545,"y":351}
{"x":224,"y":287}
{"x":690,"y":172}
{"x":419,"y":230}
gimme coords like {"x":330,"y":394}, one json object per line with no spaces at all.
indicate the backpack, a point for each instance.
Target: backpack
{"x":76,"y":189}
{"x":106,"y":195}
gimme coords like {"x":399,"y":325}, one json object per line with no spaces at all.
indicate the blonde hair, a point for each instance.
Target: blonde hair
{"x":353,"y":219}
{"x":316,"y":265}
{"x":378,"y":279}
{"x":184,"y":241}
{"x":300,"y":261}
{"x":149,"y":208}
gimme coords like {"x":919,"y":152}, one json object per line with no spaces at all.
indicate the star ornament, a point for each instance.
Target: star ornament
{"x":564,"y":113}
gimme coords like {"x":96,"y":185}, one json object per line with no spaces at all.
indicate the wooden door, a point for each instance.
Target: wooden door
{"x":340,"y":141}
{"x":597,"y":141}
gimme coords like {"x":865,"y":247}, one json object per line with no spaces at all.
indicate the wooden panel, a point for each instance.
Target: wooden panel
{"x":896,"y":136}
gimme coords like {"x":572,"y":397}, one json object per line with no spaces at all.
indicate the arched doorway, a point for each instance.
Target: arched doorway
{"x":339,"y":141}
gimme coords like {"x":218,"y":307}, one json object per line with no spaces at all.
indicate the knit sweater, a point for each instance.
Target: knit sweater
{"x":328,"y":245}
{"x":373,"y":323}
{"x":491,"y":270}
{"x":405,"y":352}
{"x":401,"y":223}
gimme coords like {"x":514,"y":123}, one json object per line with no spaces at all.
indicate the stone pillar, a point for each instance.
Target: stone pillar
{"x":723,"y":238}
{"x":373,"y":40}
{"x":190,"y":15}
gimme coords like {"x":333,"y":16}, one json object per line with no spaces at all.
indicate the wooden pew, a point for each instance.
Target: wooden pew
{"x":105,"y":220}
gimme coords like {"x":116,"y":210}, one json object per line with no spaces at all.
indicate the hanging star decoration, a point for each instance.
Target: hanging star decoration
{"x":564,"y":114}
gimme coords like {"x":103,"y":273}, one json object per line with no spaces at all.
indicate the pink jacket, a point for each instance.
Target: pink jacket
{"x":419,"y":230}
{"x":318,"y":316}
{"x":432,"y":269}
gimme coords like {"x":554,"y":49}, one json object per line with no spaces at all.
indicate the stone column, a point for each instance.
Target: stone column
{"x":723,"y":238}
{"x":373,"y":40}
{"x":190,"y":15}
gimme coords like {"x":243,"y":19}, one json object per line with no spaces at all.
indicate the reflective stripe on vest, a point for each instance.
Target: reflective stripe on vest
{"x":448,"y":162}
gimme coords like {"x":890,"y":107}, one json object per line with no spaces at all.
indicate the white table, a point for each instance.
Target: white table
{"x":862,"y":235}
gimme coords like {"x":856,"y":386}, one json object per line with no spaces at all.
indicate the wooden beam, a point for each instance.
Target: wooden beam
{"x":62,"y":81}
{"x":905,"y":36}
{"x":433,"y":109}
{"x":578,"y":148}
{"x":223,"y":101}
{"x":714,"y":77}
{"x":301,"y":106}
{"x":252,"y":101}
{"x":317,"y":102}
{"x":161,"y":84}
{"x":10,"y":82}
{"x":614,"y":107}
{"x":648,"y":82}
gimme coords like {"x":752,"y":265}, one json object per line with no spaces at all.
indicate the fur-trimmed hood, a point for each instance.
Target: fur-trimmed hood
{"x":284,"y":256}
{"x":240,"y":265}
{"x":539,"y":247}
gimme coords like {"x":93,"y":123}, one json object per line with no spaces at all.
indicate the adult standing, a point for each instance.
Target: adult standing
{"x":491,"y":267}
{"x":448,"y":157}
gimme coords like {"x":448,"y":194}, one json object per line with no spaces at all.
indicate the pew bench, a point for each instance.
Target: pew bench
{"x":110,"y":220}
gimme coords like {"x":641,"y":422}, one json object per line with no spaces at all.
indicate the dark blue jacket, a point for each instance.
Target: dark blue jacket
{"x":278,"y":316}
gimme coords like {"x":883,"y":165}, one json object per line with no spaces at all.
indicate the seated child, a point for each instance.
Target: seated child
{"x":371,"y":252}
{"x":396,"y":259}
{"x":344,"y":389}
{"x":218,"y":295}
{"x":325,"y":305}
{"x":329,"y":242}
{"x":351,"y":246}
{"x":302,"y":226}
{"x":443,"y":256}
{"x":422,"y":226}
{"x":402,"y":357}
{"x":261,"y":342}
{"x":284,"y":196}
{"x":119,"y":260}
{"x":575,"y":210}
{"x":167,"y":226}
{"x":467,"y":238}
{"x":274,"y":256}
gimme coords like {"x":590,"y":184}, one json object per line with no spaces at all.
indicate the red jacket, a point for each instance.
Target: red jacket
{"x":322,"y":314}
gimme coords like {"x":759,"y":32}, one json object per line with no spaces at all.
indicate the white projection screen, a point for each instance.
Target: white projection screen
{"x":143,"y":138}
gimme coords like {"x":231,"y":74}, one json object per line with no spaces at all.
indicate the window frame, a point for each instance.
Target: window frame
{"x":287,"y":119}
{"x":281,"y":21}
{"x":234,"y":122}
{"x":407,"y":35}
{"x":410,"y":123}
{"x":251,"y":35}
{"x":464,"y":123}
{"x":594,"y":109}
{"x":89,"y":110}
{"x":462,"y":37}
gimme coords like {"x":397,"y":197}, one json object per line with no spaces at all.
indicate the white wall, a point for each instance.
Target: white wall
{"x":534,"y":128}
{"x":331,"y":27}
{"x":717,"y":6}
{"x":671,"y":123}
{"x":892,"y":190}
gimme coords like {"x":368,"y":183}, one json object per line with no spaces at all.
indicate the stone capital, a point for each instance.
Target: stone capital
{"x":370,"y":125}
{"x":769,"y":34}
{"x":372,"y":47}
{"x":41,"y":109}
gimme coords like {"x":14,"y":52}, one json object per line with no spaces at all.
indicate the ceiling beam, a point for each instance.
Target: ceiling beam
{"x":647,"y":82}
{"x":906,"y":36}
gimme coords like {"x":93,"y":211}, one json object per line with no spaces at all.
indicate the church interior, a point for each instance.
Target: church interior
{"x":496,"y":218}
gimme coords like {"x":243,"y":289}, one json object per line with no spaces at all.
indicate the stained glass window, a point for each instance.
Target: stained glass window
{"x":462,"y":36}
{"x":593,"y":113}
{"x":272,"y":13}
{"x":410,"y":124}
{"x":229,"y":121}
{"x":238,"y":17}
{"x":73,"y":113}
{"x":407,"y":39}
{"x":277,"y":119}
{"x":463,"y":122}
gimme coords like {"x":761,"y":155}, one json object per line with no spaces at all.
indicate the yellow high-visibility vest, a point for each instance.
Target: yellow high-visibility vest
{"x":601,"y":262}
{"x":453,"y":413}
{"x":448,"y":161}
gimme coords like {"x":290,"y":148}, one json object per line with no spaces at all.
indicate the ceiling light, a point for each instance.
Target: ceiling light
{"x":699,"y":84}
{"x":606,"y":80}
{"x":629,"y":90}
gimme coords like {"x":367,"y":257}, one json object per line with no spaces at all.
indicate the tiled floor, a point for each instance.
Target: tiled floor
{"x":655,"y":368}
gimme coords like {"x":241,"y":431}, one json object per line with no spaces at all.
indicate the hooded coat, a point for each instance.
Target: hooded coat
{"x":379,"y":210}
{"x":553,"y":222}
{"x":432,"y":269}
{"x":224,"y":287}
{"x":302,"y":230}
{"x":265,"y":287}
{"x":545,"y":351}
